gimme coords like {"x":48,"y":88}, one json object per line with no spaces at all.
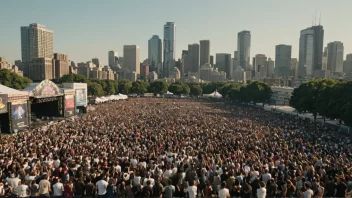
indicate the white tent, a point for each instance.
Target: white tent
{"x":213,"y":95}
{"x":110,"y":98}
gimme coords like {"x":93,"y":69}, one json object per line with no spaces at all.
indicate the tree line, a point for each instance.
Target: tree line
{"x":324,"y":97}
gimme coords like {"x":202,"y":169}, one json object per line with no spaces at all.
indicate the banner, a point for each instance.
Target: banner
{"x":47,"y":88}
{"x":3,"y":103}
{"x":19,"y":115}
{"x":81,"y":97}
{"x":69,"y":102}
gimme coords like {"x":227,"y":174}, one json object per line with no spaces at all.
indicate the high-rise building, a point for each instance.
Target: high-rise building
{"x":311,"y":51}
{"x":36,"y":42}
{"x":19,"y":64}
{"x":144,"y":71}
{"x":258,"y":63}
{"x":113,"y":59}
{"x":204,"y":52}
{"x":347,"y":65}
{"x":184,"y":61}
{"x":41,"y":69}
{"x":244,"y":49}
{"x":212,"y":61}
{"x":96,"y":61}
{"x":131,"y":58}
{"x":193,"y":58}
{"x":223,"y":63}
{"x":239,"y":75}
{"x":294,"y":67}
{"x":270,"y":65}
{"x":61,"y":65}
{"x":169,"y":48}
{"x":155,"y":54}
{"x":283,"y":60}
{"x":335,"y":56}
{"x":4,"y":64}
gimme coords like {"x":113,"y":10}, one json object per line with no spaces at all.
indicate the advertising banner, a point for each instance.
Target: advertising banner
{"x":81,"y":97}
{"x":19,"y":114}
{"x":3,"y":103}
{"x":69,"y":105}
{"x":47,"y":88}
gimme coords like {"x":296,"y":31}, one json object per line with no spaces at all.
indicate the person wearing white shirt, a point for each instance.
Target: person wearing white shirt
{"x":101,"y":186}
{"x":22,"y":190}
{"x":192,"y":190}
{"x":308,"y":193}
{"x":224,"y":192}
{"x":58,"y":188}
{"x":266,"y":176}
{"x":261,"y":192}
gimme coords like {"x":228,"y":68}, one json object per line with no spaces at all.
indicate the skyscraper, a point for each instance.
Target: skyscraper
{"x":193,"y":58}
{"x":223,"y":63}
{"x":294,"y":67}
{"x":311,"y":51}
{"x":61,"y":65}
{"x":347,"y":65}
{"x":243,"y":49}
{"x":131,"y":58}
{"x":283,"y":60}
{"x":113,"y":59}
{"x":36,"y":42}
{"x":270,"y":65}
{"x":258,"y":63}
{"x":155,"y":54}
{"x":335,"y":56}
{"x":211,"y":60}
{"x":204,"y":52}
{"x":169,"y":48}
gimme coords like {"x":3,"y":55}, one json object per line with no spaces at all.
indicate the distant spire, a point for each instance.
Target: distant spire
{"x":320,"y":19}
{"x":315,"y":17}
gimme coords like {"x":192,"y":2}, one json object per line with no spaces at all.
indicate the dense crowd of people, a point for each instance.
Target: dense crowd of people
{"x":148,"y":147}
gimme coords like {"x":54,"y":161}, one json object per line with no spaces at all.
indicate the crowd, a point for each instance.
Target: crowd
{"x":147,"y":147}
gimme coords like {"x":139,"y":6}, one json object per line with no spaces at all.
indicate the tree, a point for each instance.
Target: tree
{"x":224,"y":90}
{"x":185,"y":88}
{"x":195,"y":89}
{"x":72,"y":78}
{"x":209,"y":88}
{"x":343,"y":100}
{"x":258,"y":91}
{"x":325,"y":102}
{"x":158,"y":87}
{"x":110,"y":87}
{"x":13,"y":80}
{"x":235,"y":93}
{"x":125,"y":86}
{"x":95,"y":89}
{"x":139,"y":87}
{"x":176,"y":89}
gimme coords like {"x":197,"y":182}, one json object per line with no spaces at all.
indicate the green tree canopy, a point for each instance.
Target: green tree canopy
{"x":72,"y":78}
{"x":158,"y":87}
{"x":325,"y":102}
{"x":139,"y":87}
{"x":225,"y":89}
{"x":258,"y":91}
{"x":195,"y":89}
{"x":124,"y":86}
{"x":176,"y":89}
{"x":95,"y":89}
{"x":13,"y":80}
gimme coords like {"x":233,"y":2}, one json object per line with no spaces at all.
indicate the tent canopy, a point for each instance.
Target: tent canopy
{"x":10,"y":91}
{"x":215,"y":94}
{"x":111,"y":98}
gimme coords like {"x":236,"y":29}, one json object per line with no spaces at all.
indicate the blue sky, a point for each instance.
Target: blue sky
{"x":85,"y":29}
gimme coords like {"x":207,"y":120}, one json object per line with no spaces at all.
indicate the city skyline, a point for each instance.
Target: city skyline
{"x":81,"y":36}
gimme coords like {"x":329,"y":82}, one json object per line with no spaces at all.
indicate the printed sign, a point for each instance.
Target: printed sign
{"x":69,"y":102}
{"x":3,"y":103}
{"x":47,"y":88}
{"x":81,"y":97}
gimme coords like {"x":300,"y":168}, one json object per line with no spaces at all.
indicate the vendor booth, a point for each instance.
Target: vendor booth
{"x":14,"y":110}
{"x":46,"y":99}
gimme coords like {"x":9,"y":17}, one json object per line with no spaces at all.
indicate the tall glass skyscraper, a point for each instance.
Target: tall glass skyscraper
{"x":244,"y":49}
{"x":283,"y":60}
{"x":335,"y":56}
{"x":155,"y":54}
{"x":169,"y":48}
{"x":311,"y":51}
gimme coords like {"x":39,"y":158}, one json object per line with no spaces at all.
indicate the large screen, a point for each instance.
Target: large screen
{"x":3,"y":103}
{"x":81,"y":97}
{"x":19,"y":115}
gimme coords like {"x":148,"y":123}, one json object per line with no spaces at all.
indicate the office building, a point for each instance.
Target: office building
{"x":169,"y":48}
{"x":270,"y":65}
{"x":113,"y":59}
{"x":335,"y":57}
{"x":223,"y":63}
{"x":193,"y":58}
{"x":311,"y":51}
{"x":36,"y":42}
{"x":4,"y":64}
{"x":152,"y":76}
{"x":61,"y":65}
{"x":347,"y":65}
{"x":176,"y":74}
{"x":96,"y":61}
{"x":131,"y":58}
{"x":41,"y":69}
{"x":19,"y":64}
{"x":243,"y":49}
{"x":204,"y":52}
{"x":239,"y":75}
{"x":211,"y":61}
{"x":294,"y":67}
{"x":258,"y":63}
{"x":155,"y":54}
{"x":205,"y":72}
{"x":184,"y":62}
{"x":283,"y":60}
{"x":144,"y":71}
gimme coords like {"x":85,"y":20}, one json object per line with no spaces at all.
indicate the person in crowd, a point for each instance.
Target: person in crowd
{"x":101,"y":187}
{"x":58,"y":188}
{"x":44,"y":186}
{"x":261,"y":192}
{"x":308,"y":193}
{"x":224,"y":192}
{"x":22,"y":190}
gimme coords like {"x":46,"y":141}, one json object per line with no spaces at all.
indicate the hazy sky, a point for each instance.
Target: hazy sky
{"x":85,"y":29}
